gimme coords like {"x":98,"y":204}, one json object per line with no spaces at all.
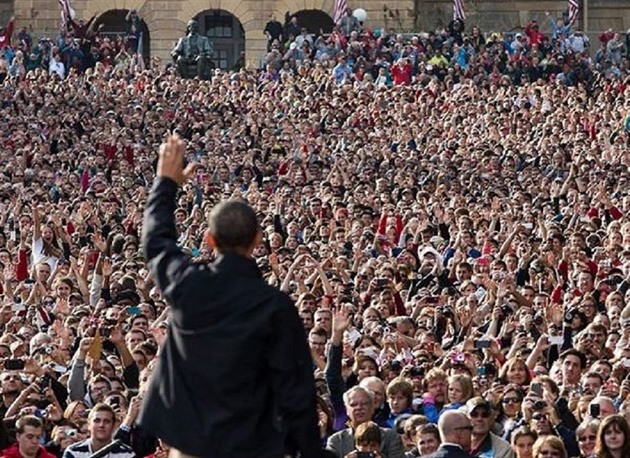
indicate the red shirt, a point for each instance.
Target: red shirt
{"x":14,"y":452}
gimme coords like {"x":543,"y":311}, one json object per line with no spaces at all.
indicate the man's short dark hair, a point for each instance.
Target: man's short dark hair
{"x":28,"y":420}
{"x":101,"y":379}
{"x":233,"y":225}
{"x":574,"y":352}
{"x":367,"y":433}
{"x":319,"y":331}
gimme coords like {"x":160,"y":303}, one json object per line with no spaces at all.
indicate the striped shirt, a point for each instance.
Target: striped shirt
{"x":84,"y":450}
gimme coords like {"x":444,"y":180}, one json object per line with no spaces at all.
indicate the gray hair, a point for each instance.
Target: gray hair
{"x":357,"y":389}
{"x":369,"y":380}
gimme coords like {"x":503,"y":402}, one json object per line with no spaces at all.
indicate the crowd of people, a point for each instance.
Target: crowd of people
{"x":78,"y":46}
{"x":450,"y":216}
{"x":385,"y":58}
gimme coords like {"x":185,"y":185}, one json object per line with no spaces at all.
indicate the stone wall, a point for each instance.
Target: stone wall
{"x":166,"y":20}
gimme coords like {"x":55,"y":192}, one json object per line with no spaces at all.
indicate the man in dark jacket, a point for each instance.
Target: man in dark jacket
{"x":234,"y":377}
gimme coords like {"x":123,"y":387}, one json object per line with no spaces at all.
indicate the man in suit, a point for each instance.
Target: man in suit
{"x":360,"y":408}
{"x":455,"y":429}
{"x":235,"y":375}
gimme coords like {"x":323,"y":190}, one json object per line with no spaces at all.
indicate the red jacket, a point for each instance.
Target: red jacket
{"x":14,"y":452}
{"x":402,"y":74}
{"x":535,"y":37}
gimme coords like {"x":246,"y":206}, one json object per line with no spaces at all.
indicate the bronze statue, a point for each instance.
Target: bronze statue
{"x":192,"y":53}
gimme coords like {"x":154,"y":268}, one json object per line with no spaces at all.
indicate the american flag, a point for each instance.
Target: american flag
{"x":340,"y":10}
{"x":574,"y":10}
{"x":458,"y":10}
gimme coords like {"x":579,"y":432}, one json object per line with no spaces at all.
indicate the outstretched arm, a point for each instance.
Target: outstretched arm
{"x":9,"y":31}
{"x":168,"y":263}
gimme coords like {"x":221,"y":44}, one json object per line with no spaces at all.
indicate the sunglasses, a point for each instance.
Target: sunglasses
{"x":464,"y":428}
{"x":587,"y":438}
{"x":480,"y":414}
{"x":511,"y":401}
{"x":11,"y":377}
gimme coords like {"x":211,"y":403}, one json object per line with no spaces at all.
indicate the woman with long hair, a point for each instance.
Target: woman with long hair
{"x":325,"y":419}
{"x":613,"y":438}
{"x":509,"y":406}
{"x":75,"y":411}
{"x":515,"y":371}
{"x":459,"y":389}
{"x":46,"y":246}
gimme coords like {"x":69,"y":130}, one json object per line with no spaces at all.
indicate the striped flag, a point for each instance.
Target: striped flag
{"x":65,"y":10}
{"x":458,"y":10}
{"x":340,"y":10}
{"x":574,"y":10}
{"x":140,"y":57}
{"x":140,"y":43}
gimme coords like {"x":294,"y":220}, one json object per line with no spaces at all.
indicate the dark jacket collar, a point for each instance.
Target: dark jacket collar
{"x":233,"y":262}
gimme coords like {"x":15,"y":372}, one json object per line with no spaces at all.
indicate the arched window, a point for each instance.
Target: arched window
{"x":226,"y":34}
{"x":314,"y":20}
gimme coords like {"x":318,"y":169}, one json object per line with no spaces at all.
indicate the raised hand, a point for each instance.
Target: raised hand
{"x":99,"y":242}
{"x":107,"y":267}
{"x":171,"y":161}
{"x":341,"y":320}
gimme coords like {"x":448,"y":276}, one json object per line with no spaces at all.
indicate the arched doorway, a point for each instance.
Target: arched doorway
{"x":115,"y":24}
{"x":226,"y":34}
{"x":314,"y":20}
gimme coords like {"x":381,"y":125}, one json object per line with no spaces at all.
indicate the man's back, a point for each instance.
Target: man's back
{"x":449,"y":451}
{"x":234,"y":377}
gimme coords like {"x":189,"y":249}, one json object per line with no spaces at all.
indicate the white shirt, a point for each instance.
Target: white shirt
{"x":57,"y":67}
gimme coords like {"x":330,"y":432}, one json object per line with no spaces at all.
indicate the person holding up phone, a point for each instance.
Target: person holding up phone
{"x":367,"y":439}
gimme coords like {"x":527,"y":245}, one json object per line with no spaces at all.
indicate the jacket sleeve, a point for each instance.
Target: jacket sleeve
{"x":334,"y":377}
{"x":76,"y":384}
{"x":131,"y":375}
{"x":507,"y":453}
{"x":430,"y":410}
{"x":290,"y":366}
{"x":60,"y":392}
{"x":333,"y":445}
{"x":167,"y":262}
{"x":95,"y":289}
{"x":394,"y":447}
{"x":21,"y":270}
{"x":68,"y":454}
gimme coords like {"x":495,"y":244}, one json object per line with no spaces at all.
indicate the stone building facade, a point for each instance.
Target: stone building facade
{"x":236,"y":25}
